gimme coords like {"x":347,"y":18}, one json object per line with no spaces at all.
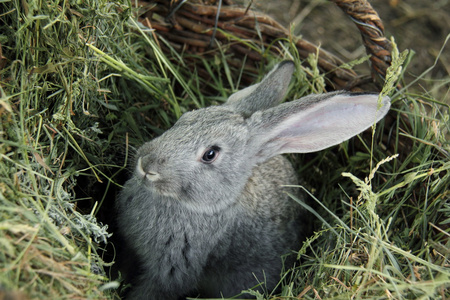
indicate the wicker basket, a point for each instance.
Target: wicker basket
{"x":191,"y":26}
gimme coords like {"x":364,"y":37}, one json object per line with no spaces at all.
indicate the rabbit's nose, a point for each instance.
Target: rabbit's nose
{"x":150,"y":175}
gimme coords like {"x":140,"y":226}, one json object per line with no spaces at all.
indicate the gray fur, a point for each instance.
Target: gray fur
{"x":219,"y":228}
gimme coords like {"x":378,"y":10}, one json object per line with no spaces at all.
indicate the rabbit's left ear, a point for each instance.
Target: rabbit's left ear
{"x":268,"y":93}
{"x":313,"y":123}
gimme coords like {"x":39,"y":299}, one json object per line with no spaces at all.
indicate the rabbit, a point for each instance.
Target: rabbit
{"x":207,"y":210}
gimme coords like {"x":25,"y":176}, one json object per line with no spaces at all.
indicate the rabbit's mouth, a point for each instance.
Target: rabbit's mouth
{"x":149,"y":175}
{"x":161,"y":187}
{"x":157,"y":182}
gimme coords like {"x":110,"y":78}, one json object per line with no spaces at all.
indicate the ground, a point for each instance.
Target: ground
{"x":421,"y":26}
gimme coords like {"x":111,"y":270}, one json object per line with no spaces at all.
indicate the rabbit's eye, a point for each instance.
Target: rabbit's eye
{"x":210,"y":154}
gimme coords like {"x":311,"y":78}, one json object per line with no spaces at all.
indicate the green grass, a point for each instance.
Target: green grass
{"x":384,"y":233}
{"x":74,"y":109}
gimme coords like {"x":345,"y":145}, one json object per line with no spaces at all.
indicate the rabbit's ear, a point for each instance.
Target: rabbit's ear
{"x":313,"y":123}
{"x":268,"y":93}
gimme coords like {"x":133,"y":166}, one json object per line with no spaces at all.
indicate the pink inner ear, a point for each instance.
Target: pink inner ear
{"x":328,"y":123}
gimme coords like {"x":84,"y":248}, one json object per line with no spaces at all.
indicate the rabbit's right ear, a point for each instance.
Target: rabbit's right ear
{"x":313,"y":123}
{"x":268,"y":93}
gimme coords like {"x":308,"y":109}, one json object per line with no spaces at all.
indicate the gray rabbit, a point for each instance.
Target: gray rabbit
{"x":207,"y":211}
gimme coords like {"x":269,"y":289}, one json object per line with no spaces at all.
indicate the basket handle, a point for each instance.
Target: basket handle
{"x":372,"y":32}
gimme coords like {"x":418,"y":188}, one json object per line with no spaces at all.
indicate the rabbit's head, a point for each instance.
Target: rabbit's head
{"x":200,"y":161}
{"x":206,"y":158}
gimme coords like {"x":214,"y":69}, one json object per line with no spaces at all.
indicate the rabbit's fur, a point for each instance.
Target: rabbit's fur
{"x":206,"y":211}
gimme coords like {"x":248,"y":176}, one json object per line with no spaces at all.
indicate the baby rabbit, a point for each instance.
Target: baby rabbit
{"x":206,"y":212}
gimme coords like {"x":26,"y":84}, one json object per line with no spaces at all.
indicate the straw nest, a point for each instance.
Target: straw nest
{"x":72,"y":108}
{"x":245,"y":37}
